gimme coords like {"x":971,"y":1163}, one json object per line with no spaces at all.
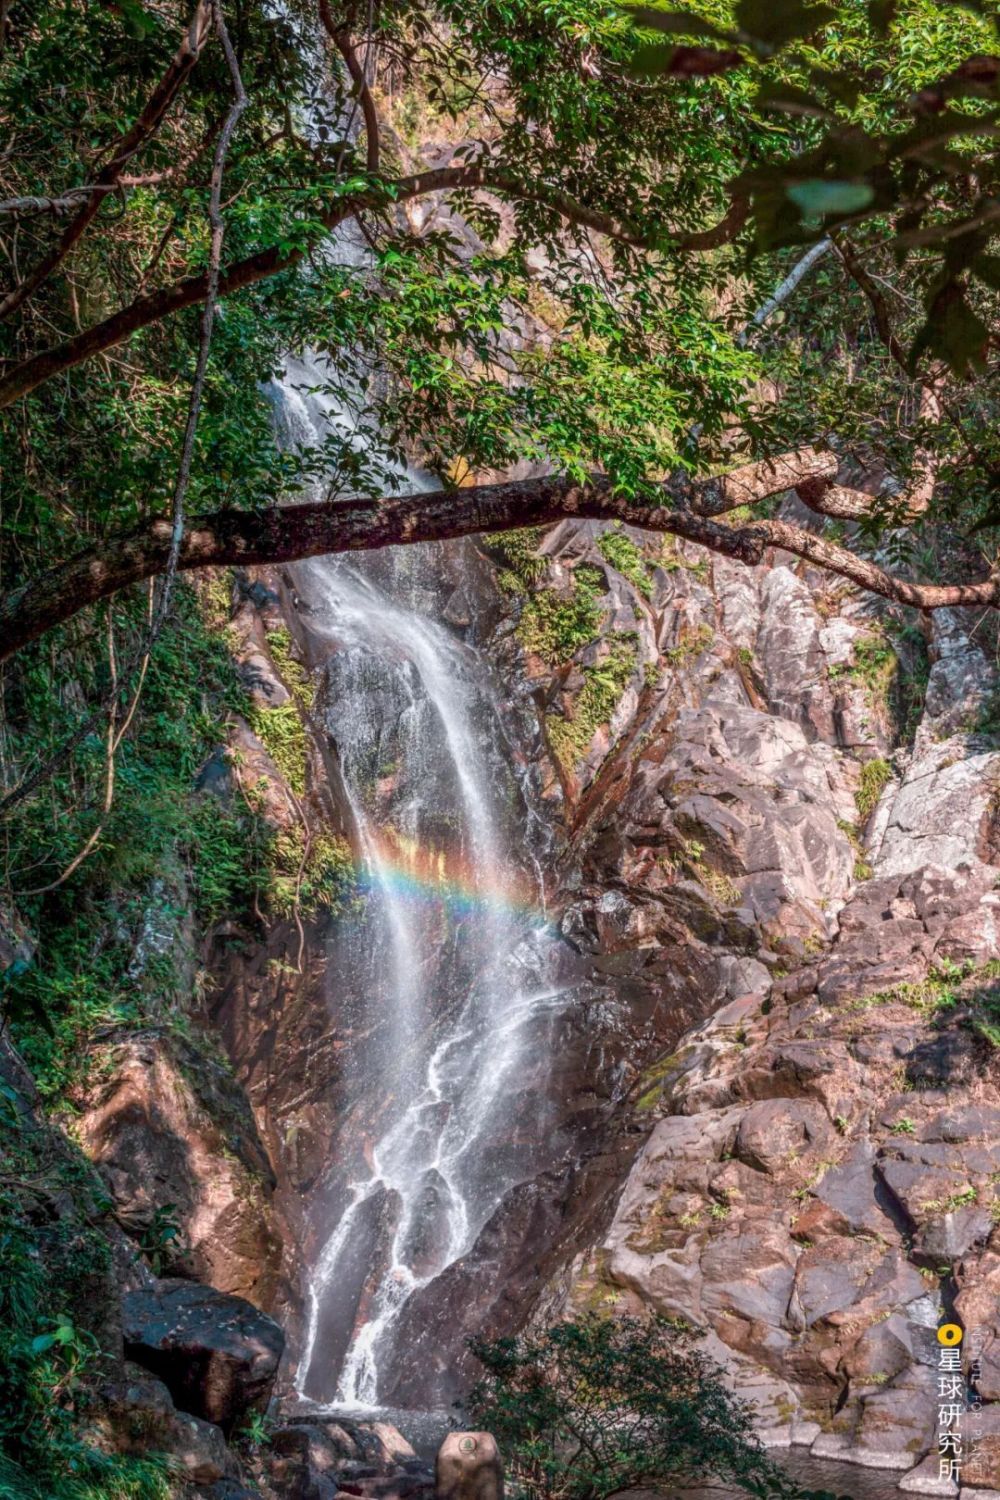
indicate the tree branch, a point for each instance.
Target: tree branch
{"x":154,"y":306}
{"x":880,"y":311}
{"x":287,"y":533}
{"x":216,"y":230}
{"x":342,"y":41}
{"x":143,"y":127}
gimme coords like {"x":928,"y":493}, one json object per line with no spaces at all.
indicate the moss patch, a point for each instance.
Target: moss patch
{"x":875,"y":777}
{"x":282,"y":733}
{"x":603,"y":685}
{"x":626,"y":558}
{"x":555,"y":625}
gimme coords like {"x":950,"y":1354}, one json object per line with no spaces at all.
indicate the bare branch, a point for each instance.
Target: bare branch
{"x":784,"y":289}
{"x":342,"y":41}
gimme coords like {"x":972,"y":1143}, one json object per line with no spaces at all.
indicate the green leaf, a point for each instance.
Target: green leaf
{"x":819,"y":196}
{"x":654,"y":59}
{"x":790,"y":99}
{"x":953,"y":332}
{"x":987,"y":269}
{"x":137,"y":19}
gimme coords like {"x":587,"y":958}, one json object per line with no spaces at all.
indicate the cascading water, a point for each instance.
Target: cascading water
{"x":446,"y":972}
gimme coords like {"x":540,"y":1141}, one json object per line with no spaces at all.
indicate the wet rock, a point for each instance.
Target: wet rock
{"x":981,"y":1457}
{"x":216,"y":1354}
{"x":298,"y":1464}
{"x":228,"y":1489}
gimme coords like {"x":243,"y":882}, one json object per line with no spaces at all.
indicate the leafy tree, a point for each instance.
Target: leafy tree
{"x":583,"y":1409}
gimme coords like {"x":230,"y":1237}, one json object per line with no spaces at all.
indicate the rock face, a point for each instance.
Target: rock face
{"x":217,"y":1355}
{"x":819,"y":1190}
{"x":172,"y":1132}
{"x":140,"y":1413}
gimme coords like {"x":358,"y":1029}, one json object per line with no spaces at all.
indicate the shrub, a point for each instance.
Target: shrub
{"x":583,"y":1409}
{"x":554,"y":626}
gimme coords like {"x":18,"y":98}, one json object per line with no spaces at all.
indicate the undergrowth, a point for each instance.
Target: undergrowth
{"x":968,"y":993}
{"x":875,"y":777}
{"x":58,"y":1296}
{"x":517,"y":550}
{"x":114,"y":942}
{"x":627,"y":557}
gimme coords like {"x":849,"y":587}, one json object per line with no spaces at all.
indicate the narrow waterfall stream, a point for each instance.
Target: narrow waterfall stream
{"x":445,"y":970}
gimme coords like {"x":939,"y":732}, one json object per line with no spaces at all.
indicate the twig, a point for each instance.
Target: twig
{"x":784,"y":290}
{"x":114,"y":740}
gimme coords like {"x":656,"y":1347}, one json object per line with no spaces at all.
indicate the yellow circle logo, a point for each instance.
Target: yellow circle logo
{"x":949,"y":1333}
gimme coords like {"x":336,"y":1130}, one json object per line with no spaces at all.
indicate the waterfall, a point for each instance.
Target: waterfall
{"x":444,"y":976}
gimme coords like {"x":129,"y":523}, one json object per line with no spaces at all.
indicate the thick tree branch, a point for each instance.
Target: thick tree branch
{"x":868,"y":575}
{"x":342,"y":41}
{"x":287,"y":533}
{"x":145,"y":125}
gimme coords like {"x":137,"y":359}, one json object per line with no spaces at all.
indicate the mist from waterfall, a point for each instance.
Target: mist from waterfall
{"x":444,"y":977}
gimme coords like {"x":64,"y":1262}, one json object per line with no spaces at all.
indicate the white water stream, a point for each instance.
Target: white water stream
{"x":448,"y":968}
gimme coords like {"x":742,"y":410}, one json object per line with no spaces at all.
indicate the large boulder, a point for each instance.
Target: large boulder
{"x":139,"y":1415}
{"x":217,"y":1355}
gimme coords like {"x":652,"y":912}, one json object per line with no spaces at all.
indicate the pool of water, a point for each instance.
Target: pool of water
{"x":813,"y":1473}
{"x":425,"y":1431}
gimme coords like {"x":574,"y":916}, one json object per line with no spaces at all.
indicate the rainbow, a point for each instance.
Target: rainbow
{"x":425,"y":873}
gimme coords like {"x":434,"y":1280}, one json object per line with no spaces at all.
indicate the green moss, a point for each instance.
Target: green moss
{"x":627,"y":558}
{"x":320,"y":877}
{"x":282,"y":733}
{"x":555,"y":625}
{"x":293,"y":673}
{"x":875,"y":777}
{"x":987,"y":718}
{"x":518,"y":551}
{"x":603,"y":684}
{"x":691,"y":644}
{"x":862,"y":869}
{"x":939,"y":991}
{"x":875,"y":666}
